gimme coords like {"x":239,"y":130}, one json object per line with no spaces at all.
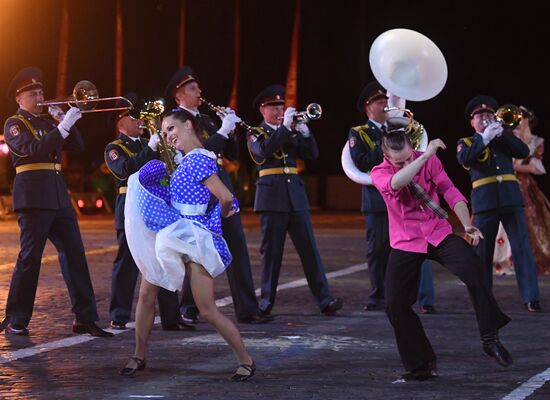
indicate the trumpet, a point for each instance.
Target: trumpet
{"x":313,"y":111}
{"x":86,"y":97}
{"x":220,"y":111}
{"x":507,"y":115}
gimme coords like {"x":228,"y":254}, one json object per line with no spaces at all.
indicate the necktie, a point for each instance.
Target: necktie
{"x":383,"y":129}
{"x":421,"y":195}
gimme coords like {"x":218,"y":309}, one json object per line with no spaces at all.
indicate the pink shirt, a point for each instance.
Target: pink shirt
{"x":412,"y":224}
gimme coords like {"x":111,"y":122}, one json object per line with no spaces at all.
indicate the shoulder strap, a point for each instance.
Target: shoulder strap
{"x":364,"y":135}
{"x":121,"y":144}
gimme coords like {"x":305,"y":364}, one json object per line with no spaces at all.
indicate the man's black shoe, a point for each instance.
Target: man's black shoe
{"x":118,"y":325}
{"x":256,"y":319}
{"x":16,"y":329}
{"x":375,"y":307}
{"x":180,"y":326}
{"x":91,"y":328}
{"x":533,"y":306}
{"x":190,"y":318}
{"x":493,"y":348}
{"x":335,"y":305}
{"x":421,"y":374}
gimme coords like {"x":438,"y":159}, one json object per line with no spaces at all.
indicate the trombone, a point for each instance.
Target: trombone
{"x":86,"y":97}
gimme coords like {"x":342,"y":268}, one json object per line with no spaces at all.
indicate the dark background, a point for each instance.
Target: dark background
{"x":490,"y":49}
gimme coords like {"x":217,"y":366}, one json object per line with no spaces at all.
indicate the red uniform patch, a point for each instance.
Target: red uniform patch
{"x":14,"y":130}
{"x":252,"y":138}
{"x":352,"y":142}
{"x":113,"y":154}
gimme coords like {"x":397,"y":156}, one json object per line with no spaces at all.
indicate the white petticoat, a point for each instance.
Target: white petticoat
{"x":160,"y":256}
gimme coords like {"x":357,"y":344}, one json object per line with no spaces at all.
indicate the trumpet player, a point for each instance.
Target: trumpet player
{"x":488,"y":156}
{"x":281,"y":198}
{"x":124,"y":156}
{"x":43,"y":207}
{"x":185,"y":90}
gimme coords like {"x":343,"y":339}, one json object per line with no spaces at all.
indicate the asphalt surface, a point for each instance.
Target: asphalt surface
{"x":300,"y":355}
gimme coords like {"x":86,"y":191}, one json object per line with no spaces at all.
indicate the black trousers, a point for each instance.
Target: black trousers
{"x":378,"y":251}
{"x":402,"y":279}
{"x":123,"y":283}
{"x":239,"y":273}
{"x":61,"y":228}
{"x":275,"y":226}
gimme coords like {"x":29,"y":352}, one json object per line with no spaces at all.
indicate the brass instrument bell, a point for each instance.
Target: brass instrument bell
{"x":313,"y":112}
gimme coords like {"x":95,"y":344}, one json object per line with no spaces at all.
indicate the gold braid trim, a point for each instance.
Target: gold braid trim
{"x":364,"y":135}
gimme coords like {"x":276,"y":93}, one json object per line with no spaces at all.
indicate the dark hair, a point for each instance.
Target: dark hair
{"x":183,"y":115}
{"x":528,"y":113}
{"x":395,"y":140}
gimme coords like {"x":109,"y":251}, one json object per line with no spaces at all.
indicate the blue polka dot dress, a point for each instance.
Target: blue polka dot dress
{"x":167,"y":226}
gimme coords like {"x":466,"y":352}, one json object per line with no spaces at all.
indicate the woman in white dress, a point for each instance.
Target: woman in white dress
{"x":174,"y":230}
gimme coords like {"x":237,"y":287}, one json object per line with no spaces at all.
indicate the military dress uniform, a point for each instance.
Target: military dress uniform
{"x":123,"y":157}
{"x":364,"y":143}
{"x":282,"y":203}
{"x":239,"y":273}
{"x":496,"y":197}
{"x":44,"y":211}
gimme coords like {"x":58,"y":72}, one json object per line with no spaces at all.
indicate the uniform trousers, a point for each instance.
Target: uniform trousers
{"x":61,"y":228}
{"x":239,"y":273}
{"x":426,"y":294}
{"x":378,"y":251}
{"x":402,"y":277}
{"x":123,"y":283}
{"x":275,"y":226}
{"x":515,"y":225}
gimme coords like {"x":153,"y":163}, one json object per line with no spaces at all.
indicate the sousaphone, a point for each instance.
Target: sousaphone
{"x":410,"y":66}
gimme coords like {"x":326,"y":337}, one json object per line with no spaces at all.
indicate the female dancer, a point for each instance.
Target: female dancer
{"x":536,"y":204}
{"x":176,"y":230}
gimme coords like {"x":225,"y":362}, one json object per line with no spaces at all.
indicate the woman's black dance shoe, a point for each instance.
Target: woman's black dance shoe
{"x":128,"y":371}
{"x":244,"y":372}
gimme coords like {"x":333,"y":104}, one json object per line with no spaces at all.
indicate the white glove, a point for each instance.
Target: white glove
{"x":154,"y":142}
{"x":288,"y":118}
{"x":303,"y":129}
{"x":228,"y":124}
{"x":56,"y":113}
{"x":491,"y":131}
{"x":68,"y":121}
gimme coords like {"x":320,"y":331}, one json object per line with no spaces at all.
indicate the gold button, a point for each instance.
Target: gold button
{"x":499,"y":178}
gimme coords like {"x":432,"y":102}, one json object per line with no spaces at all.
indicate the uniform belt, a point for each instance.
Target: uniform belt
{"x":493,"y":179}
{"x":122,"y":190}
{"x":37,"y":167}
{"x":276,"y":171}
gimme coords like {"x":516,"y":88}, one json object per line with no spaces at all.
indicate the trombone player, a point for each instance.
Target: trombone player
{"x":43,"y":207}
{"x":496,"y":196}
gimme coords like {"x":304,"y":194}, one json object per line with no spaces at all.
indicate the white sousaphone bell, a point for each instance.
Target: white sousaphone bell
{"x":411,"y":67}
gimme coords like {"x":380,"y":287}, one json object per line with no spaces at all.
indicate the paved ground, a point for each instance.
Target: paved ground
{"x":301,"y":355}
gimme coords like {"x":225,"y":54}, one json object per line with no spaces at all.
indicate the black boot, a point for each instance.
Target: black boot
{"x":493,"y":348}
